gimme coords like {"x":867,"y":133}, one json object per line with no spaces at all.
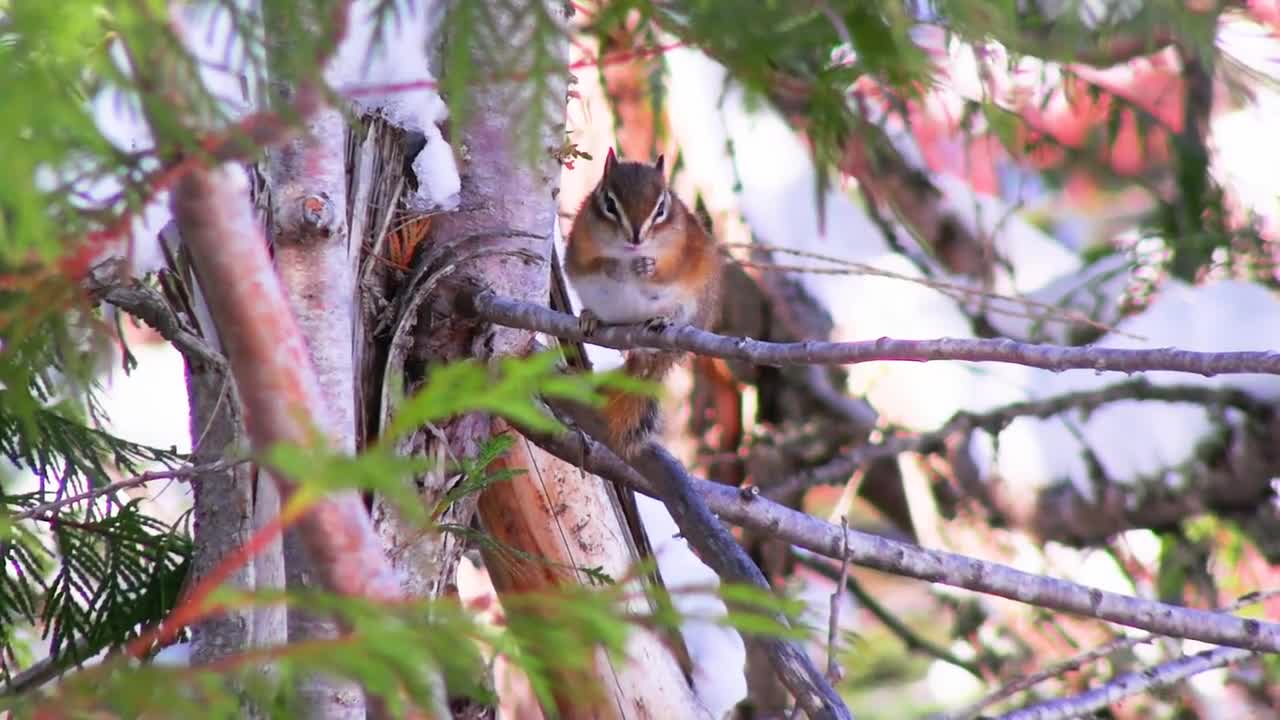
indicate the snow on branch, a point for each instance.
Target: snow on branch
{"x":512,"y":313}
{"x":752,"y":511}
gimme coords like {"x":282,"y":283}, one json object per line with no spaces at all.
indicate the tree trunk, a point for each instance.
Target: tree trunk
{"x":317,"y":271}
{"x":229,"y":505}
{"x":223,"y":508}
{"x":501,"y":237}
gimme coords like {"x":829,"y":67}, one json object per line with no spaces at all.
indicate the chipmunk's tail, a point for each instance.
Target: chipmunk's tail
{"x":633,"y":419}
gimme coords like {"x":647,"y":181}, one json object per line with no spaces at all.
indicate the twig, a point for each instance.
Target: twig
{"x":909,"y":637}
{"x":1130,"y":684}
{"x":833,"y":667}
{"x":901,"y":558}
{"x":105,"y":282}
{"x":955,"y":291}
{"x":528,"y":316}
{"x":178,"y":473}
{"x":1085,"y":658}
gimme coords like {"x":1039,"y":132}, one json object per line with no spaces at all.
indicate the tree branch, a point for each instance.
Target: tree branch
{"x":714,"y":544}
{"x":106,"y":283}
{"x":663,"y":477}
{"x":1026,"y":682}
{"x":1130,"y":684}
{"x":900,"y":558}
{"x":837,"y":470}
{"x":513,"y":313}
{"x":144,"y":478}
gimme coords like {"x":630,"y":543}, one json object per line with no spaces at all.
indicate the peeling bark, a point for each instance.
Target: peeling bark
{"x":566,"y":523}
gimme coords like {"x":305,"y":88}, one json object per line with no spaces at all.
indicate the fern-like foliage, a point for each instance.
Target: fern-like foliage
{"x":95,"y":584}
{"x":392,"y":651}
{"x":68,"y":452}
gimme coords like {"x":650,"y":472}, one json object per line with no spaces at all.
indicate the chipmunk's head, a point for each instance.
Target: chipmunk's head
{"x":632,"y":206}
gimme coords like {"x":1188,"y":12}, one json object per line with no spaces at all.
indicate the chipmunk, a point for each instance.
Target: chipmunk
{"x":636,"y":254}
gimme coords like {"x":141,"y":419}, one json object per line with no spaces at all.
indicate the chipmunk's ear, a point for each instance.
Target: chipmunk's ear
{"x":657,"y":164}
{"x":609,"y":161}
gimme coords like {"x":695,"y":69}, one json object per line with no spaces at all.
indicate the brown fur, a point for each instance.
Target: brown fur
{"x":633,"y":419}
{"x":686,"y":257}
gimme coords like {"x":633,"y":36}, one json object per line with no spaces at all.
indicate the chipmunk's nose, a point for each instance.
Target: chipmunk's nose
{"x":635,"y":237}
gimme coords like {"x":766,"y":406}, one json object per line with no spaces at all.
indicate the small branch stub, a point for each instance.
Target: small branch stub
{"x":317,"y":214}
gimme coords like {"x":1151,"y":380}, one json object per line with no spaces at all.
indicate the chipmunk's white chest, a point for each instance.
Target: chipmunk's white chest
{"x":630,"y":300}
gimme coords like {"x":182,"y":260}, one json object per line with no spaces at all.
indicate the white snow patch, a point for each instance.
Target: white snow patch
{"x":717,"y":651}
{"x":391,"y":75}
{"x":149,"y":406}
{"x":364,"y":67}
{"x":175,"y":655}
{"x":1245,"y":145}
{"x":1131,"y":438}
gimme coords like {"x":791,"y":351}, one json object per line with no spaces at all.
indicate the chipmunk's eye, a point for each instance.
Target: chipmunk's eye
{"x":610,"y":206}
{"x":660,"y":212}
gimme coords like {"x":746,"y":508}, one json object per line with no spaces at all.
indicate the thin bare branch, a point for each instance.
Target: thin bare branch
{"x":957,"y":291}
{"x":834,"y":674}
{"x":1085,"y":658}
{"x":513,"y":313}
{"x":112,"y":488}
{"x":1130,"y":684}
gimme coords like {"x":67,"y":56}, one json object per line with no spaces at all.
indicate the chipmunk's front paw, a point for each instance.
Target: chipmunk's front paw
{"x":612,"y":269}
{"x":644,"y":267}
{"x":657,"y":324}
{"x":588,"y":322}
